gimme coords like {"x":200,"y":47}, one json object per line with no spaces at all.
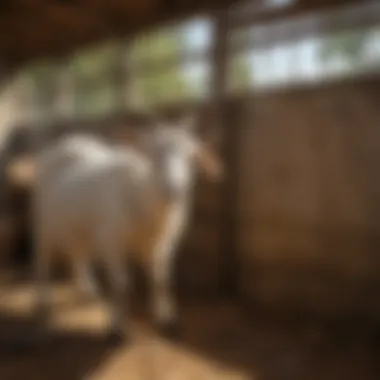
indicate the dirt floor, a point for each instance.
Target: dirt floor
{"x":217,"y":342}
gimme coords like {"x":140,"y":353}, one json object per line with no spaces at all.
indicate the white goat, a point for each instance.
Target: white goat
{"x":92,"y":198}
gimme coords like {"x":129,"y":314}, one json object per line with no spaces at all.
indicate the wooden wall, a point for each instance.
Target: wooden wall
{"x":308,"y":205}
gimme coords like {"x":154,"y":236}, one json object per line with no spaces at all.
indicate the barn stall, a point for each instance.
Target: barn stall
{"x":293,"y":231}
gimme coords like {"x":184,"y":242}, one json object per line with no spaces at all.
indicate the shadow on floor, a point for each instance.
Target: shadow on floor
{"x":267,"y":349}
{"x":65,"y":356}
{"x":217,"y":333}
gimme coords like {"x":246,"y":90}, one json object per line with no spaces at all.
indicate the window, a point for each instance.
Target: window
{"x":170,"y":65}
{"x":39,"y":90}
{"x":280,"y":54}
{"x":94,"y":82}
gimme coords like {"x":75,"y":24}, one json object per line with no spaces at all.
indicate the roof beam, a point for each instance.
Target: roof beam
{"x":42,"y":28}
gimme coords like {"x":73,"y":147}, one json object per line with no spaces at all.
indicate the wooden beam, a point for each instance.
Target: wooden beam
{"x":73,"y":26}
{"x":298,"y":7}
{"x":342,"y":19}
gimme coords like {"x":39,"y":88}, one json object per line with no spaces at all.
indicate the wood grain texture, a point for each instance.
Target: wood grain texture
{"x":309,"y":199}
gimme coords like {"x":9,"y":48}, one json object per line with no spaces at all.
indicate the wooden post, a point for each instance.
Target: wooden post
{"x":65,"y":100}
{"x":120,"y":77}
{"x":224,"y":119}
{"x":218,"y":85}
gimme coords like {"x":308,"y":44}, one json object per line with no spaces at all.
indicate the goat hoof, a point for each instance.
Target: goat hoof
{"x":169,"y":329}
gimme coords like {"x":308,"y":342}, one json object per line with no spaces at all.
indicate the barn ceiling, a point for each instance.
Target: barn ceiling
{"x":34,"y":28}
{"x":37,"y":28}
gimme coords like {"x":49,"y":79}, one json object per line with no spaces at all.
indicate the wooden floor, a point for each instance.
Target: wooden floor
{"x":216,"y":342}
